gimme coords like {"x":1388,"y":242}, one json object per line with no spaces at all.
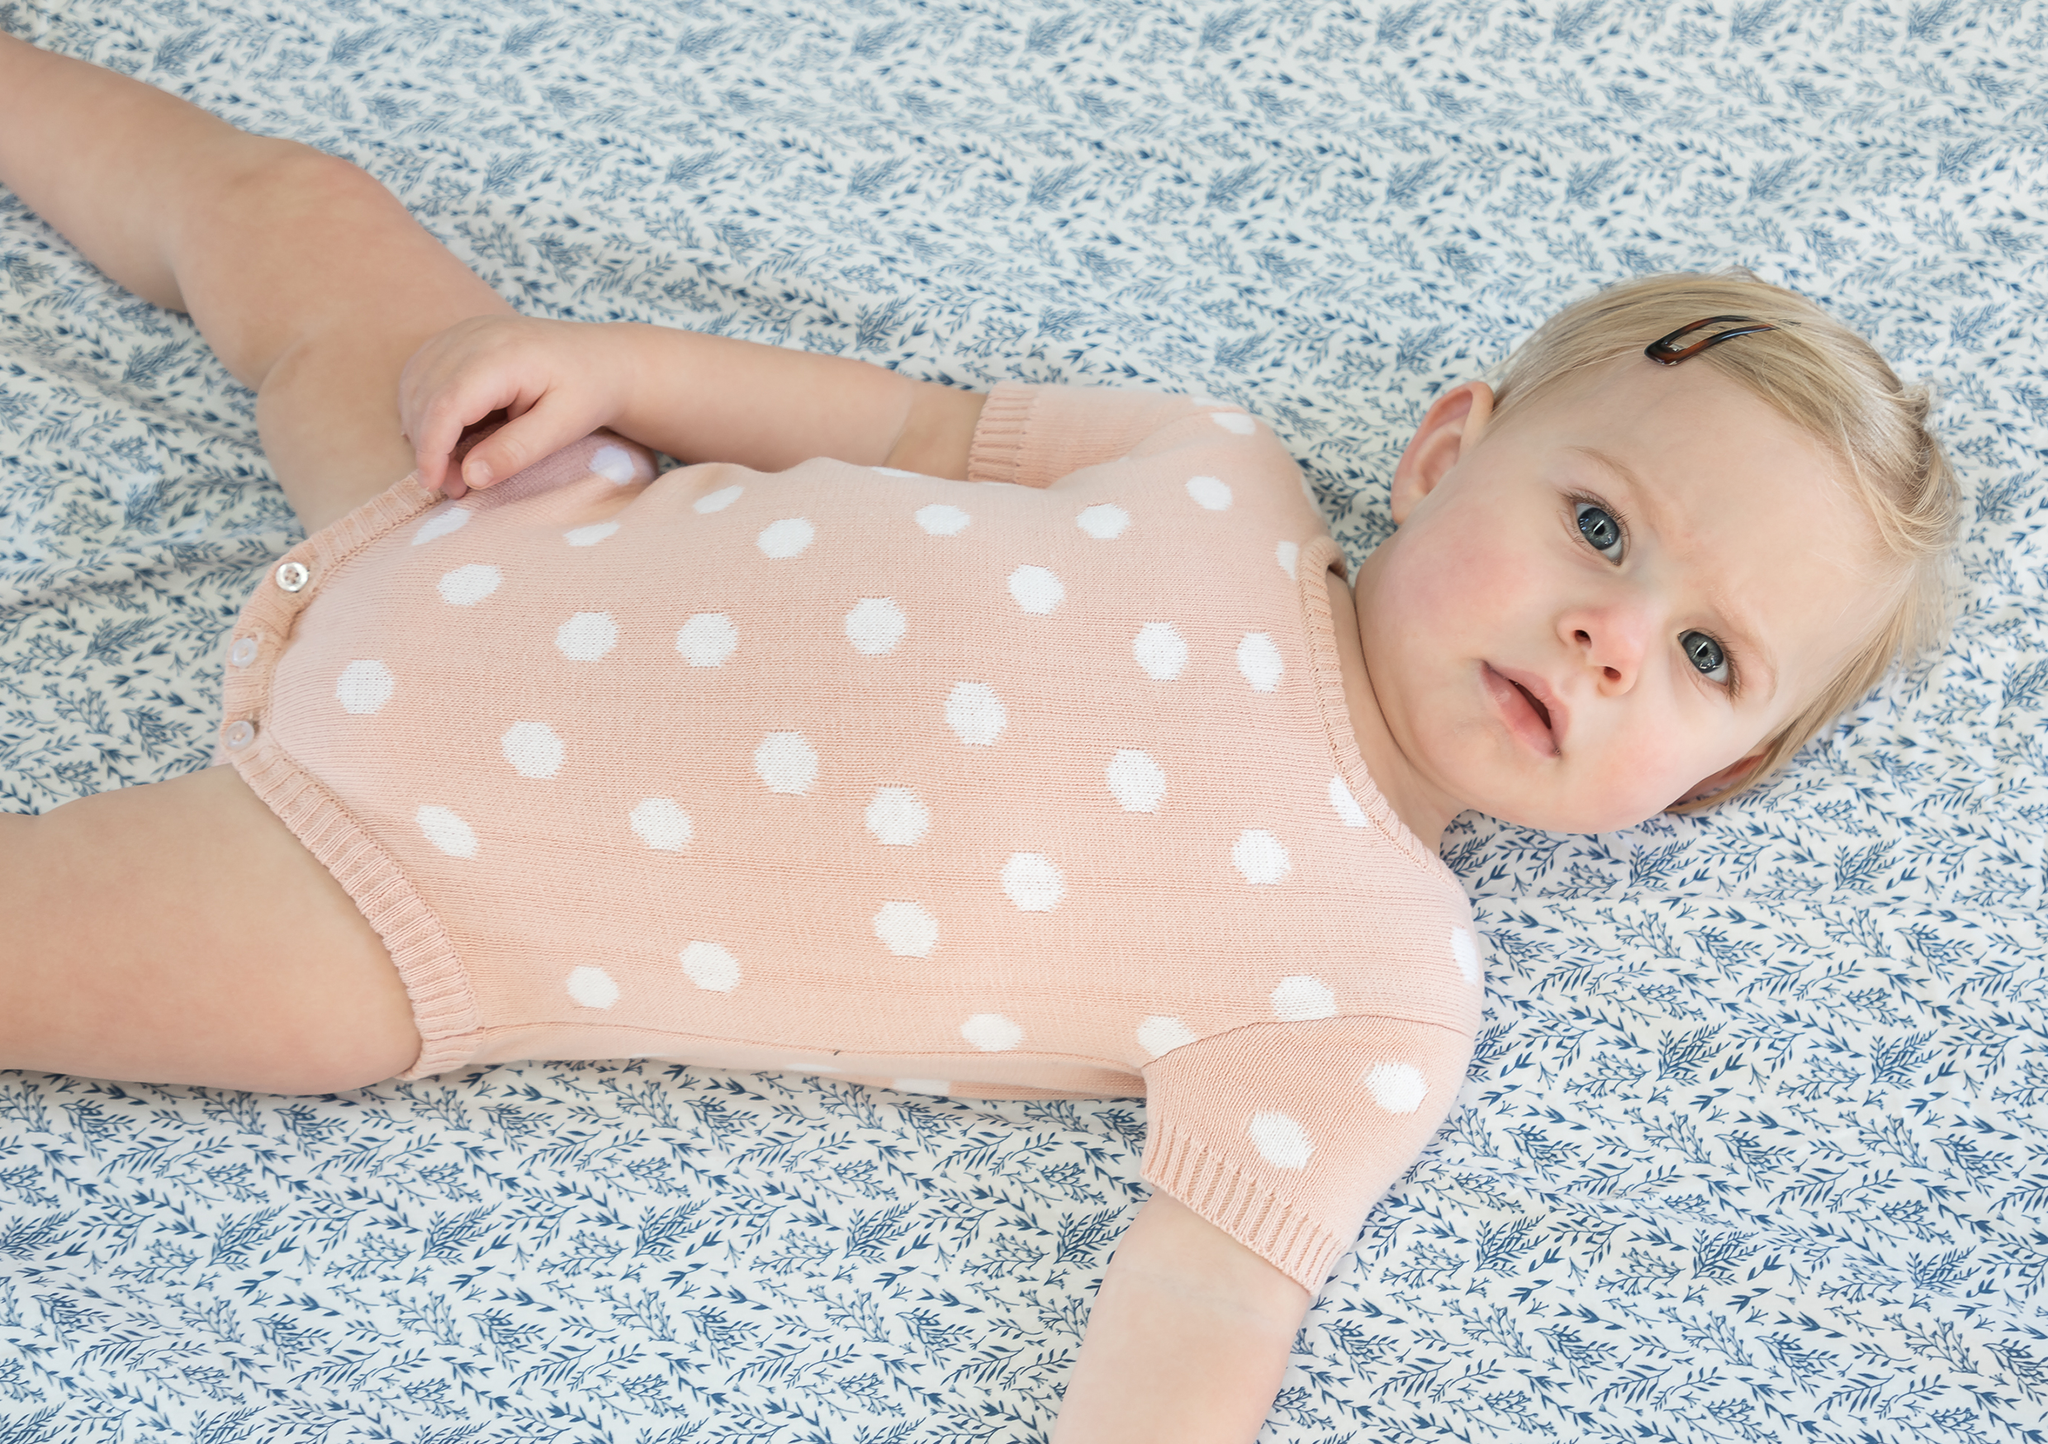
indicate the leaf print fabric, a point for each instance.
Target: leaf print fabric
{"x":1754,"y":1144}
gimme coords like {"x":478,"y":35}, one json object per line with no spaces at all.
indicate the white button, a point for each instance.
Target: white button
{"x":238,"y":735}
{"x":244,"y":652}
{"x":292,"y":576}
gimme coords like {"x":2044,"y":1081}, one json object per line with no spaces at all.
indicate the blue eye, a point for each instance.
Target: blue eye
{"x":1601,"y":531}
{"x":1706,"y":655}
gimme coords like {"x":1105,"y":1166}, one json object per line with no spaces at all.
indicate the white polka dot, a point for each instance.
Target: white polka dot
{"x":1287,"y":554}
{"x":992,"y":1032}
{"x":613,"y":464}
{"x":1210,"y":493}
{"x":1037,"y":590}
{"x":896,"y":817}
{"x":441,"y":521}
{"x":593,"y":987}
{"x":363,"y":687}
{"x":1103,"y":522}
{"x":590,"y":536}
{"x":785,"y":538}
{"x":711,"y":967}
{"x":942,"y":520}
{"x":1160,"y":651}
{"x":892,"y":471}
{"x":786,"y":762}
{"x":1259,"y":660}
{"x":1465,"y":953}
{"x":1032,"y":882}
{"x":717,"y":500}
{"x":906,"y":929}
{"x":1300,"y":998}
{"x":587,"y":636}
{"x":1205,"y":399}
{"x":1234,"y":422}
{"x":1260,"y":856}
{"x":920,"y":1085}
{"x":1281,"y":1141}
{"x":707,"y":639}
{"x":976,"y":715}
{"x":446,"y":831}
{"x":1159,"y":1036}
{"x":1135,"y":781}
{"x":1396,"y":1087}
{"x":1346,"y":805}
{"x":466,"y":586}
{"x":662,"y":825}
{"x":875,"y":625}
{"x":533,"y":749}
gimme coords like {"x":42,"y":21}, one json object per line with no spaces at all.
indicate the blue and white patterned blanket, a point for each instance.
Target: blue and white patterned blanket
{"x":1756,"y":1144}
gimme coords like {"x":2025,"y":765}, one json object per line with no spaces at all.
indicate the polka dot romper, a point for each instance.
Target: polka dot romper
{"x":1039,"y":784}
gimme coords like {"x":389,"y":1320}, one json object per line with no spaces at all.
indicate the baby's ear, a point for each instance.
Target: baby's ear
{"x":1449,"y":428}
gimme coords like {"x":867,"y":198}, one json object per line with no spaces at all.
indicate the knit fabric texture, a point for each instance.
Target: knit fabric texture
{"x":1036,"y":784}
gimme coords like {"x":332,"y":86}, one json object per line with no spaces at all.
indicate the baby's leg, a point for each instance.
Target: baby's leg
{"x":308,"y":279}
{"x":178,"y":932}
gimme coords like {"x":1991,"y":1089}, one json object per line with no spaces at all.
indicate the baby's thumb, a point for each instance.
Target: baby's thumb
{"x":521,"y":442}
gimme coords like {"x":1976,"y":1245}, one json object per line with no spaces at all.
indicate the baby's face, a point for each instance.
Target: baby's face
{"x":1594,"y":607}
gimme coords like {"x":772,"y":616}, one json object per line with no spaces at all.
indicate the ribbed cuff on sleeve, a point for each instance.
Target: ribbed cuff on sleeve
{"x":1036,"y":435}
{"x":997,"y":453}
{"x":1180,"y":1163}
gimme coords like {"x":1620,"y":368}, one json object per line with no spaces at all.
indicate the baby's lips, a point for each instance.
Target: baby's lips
{"x":1531,"y":696}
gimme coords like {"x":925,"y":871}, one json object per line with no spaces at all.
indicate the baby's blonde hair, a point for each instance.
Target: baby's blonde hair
{"x":1825,"y":378}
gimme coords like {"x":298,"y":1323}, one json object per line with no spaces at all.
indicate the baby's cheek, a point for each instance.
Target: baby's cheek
{"x":1486,"y":581}
{"x":1465,"y":564}
{"x":1638,"y":772}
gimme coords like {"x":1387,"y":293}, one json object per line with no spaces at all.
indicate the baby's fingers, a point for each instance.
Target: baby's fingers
{"x":458,"y":378}
{"x":435,"y":423}
{"x":550,"y":423}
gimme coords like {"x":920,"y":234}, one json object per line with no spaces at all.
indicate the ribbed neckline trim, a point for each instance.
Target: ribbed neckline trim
{"x":1321,"y":629}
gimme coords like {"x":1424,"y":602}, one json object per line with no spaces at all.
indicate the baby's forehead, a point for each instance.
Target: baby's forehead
{"x":1659,"y":426}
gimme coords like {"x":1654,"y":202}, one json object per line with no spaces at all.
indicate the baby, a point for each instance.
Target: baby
{"x":1012,"y":745}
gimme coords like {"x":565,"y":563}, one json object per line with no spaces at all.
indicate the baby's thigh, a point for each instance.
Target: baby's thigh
{"x":316,"y":284}
{"x":179,"y":933}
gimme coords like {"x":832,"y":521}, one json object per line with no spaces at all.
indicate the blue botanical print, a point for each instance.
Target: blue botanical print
{"x":1756,"y":1143}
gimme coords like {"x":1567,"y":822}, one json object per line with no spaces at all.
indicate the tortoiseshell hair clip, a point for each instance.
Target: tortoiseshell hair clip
{"x":1666,"y":351}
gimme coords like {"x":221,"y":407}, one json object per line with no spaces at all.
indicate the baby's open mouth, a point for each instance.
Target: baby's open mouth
{"x":1542,"y":711}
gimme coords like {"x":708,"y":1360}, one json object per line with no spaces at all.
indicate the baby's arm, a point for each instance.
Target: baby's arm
{"x":1188,"y":1339}
{"x":697,"y":397}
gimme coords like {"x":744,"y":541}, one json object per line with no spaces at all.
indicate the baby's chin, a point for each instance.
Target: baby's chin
{"x":1573,"y":815}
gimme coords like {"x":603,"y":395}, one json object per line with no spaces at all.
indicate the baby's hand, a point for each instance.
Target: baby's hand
{"x":555,"y":381}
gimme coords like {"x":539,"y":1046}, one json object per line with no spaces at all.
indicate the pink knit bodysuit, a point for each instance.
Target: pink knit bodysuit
{"x":1036,"y":784}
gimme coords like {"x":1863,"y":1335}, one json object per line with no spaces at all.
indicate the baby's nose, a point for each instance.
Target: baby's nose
{"x":1613,"y":641}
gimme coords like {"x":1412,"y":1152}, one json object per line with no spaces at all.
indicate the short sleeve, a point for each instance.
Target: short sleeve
{"x":1284,"y":1135}
{"x":1034,"y":435}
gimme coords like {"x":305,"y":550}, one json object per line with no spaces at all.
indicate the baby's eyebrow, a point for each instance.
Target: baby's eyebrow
{"x":1755,"y":663}
{"x":1642,"y":497}
{"x":1618,"y":467}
